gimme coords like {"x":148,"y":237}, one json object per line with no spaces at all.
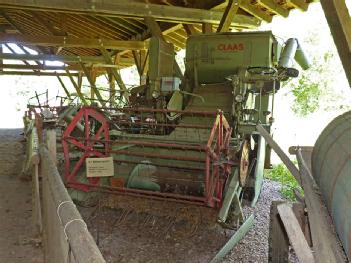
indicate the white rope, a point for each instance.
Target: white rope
{"x":71,"y":221}
{"x":59,"y":206}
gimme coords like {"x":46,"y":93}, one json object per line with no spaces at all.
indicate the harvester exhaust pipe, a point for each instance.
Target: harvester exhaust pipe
{"x":293,"y":50}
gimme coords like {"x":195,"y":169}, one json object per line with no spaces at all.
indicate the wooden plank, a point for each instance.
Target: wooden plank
{"x":300,"y":4}
{"x":62,"y":58}
{"x":339,"y":22}
{"x":295,"y":234}
{"x":76,"y":87}
{"x":36,"y":73}
{"x":154,"y":27}
{"x":228,"y":15}
{"x":64,"y":87}
{"x":190,"y":29}
{"x":82,"y":244}
{"x":286,"y":160}
{"x":325,"y":241}
{"x":115,"y":74}
{"x":253,"y":10}
{"x":40,"y":67}
{"x":67,"y":41}
{"x":92,"y":84}
{"x":278,"y":251}
{"x":274,"y":7}
{"x":129,"y":9}
{"x":207,"y":28}
{"x":112,"y":86}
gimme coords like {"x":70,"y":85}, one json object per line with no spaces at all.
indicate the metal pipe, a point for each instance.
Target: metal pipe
{"x":162,"y":156}
{"x":293,"y":50}
{"x":192,"y":126}
{"x":161,"y":165}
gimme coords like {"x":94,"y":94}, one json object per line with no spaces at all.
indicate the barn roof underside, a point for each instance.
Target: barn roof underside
{"x":100,"y":34}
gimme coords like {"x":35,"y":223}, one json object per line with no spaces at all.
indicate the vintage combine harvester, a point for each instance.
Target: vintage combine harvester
{"x":190,"y":139}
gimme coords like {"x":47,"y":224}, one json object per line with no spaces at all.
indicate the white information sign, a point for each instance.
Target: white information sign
{"x":99,"y":167}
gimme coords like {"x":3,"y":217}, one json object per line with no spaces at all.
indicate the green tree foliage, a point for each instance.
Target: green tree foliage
{"x":281,"y":174}
{"x":317,"y":88}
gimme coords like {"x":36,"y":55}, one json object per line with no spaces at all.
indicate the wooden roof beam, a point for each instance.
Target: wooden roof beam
{"x":40,"y":67}
{"x":300,"y":4}
{"x":36,"y":73}
{"x":339,"y":22}
{"x":91,"y":80}
{"x":228,"y":15}
{"x":127,"y":8}
{"x":64,"y":87}
{"x":14,"y":24}
{"x":76,"y":87}
{"x":154,"y":27}
{"x":207,"y":28}
{"x":253,"y":10}
{"x":190,"y":29}
{"x":62,"y":58}
{"x":115,"y":73}
{"x":66,"y":41}
{"x":274,"y":7}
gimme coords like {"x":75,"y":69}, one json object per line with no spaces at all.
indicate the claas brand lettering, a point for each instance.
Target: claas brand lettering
{"x":231,"y":47}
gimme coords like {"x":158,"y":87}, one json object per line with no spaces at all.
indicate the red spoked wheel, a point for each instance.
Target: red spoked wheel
{"x":94,"y":143}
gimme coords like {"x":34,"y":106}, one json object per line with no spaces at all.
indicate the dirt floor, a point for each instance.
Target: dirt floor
{"x":130,"y":230}
{"x":17,"y":241}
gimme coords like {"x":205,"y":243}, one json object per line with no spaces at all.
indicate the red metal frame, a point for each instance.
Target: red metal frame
{"x":216,"y":171}
{"x":87,"y":147}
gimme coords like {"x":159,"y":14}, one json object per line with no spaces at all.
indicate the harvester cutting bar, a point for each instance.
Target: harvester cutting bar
{"x":160,"y":156}
{"x":161,"y":165}
{"x":148,"y":110}
{"x":187,"y":171}
{"x":171,"y":125}
{"x":145,"y":193}
{"x":147,"y":144}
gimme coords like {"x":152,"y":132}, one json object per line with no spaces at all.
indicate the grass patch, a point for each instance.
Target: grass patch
{"x":279,"y":173}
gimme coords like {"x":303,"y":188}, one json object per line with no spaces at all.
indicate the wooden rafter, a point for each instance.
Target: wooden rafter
{"x":76,"y":87}
{"x":190,"y":29}
{"x":39,"y":67}
{"x":300,"y":4}
{"x":16,"y":26}
{"x":47,"y":24}
{"x":339,"y":22}
{"x":66,"y":41}
{"x":62,"y":58}
{"x":274,"y":7}
{"x":126,"y":8}
{"x":255,"y":11}
{"x":207,"y":28}
{"x":115,"y":73}
{"x":91,"y":80}
{"x":64,"y":87}
{"x":154,"y":27}
{"x":228,"y":15}
{"x":36,"y":73}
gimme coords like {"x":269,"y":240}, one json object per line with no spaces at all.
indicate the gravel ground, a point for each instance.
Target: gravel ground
{"x":254,"y":247}
{"x":132,"y":237}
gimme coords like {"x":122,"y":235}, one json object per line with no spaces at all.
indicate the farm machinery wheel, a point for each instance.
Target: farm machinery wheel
{"x":94,"y":127}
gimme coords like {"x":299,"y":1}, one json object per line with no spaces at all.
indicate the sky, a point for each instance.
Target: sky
{"x":288,"y":128}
